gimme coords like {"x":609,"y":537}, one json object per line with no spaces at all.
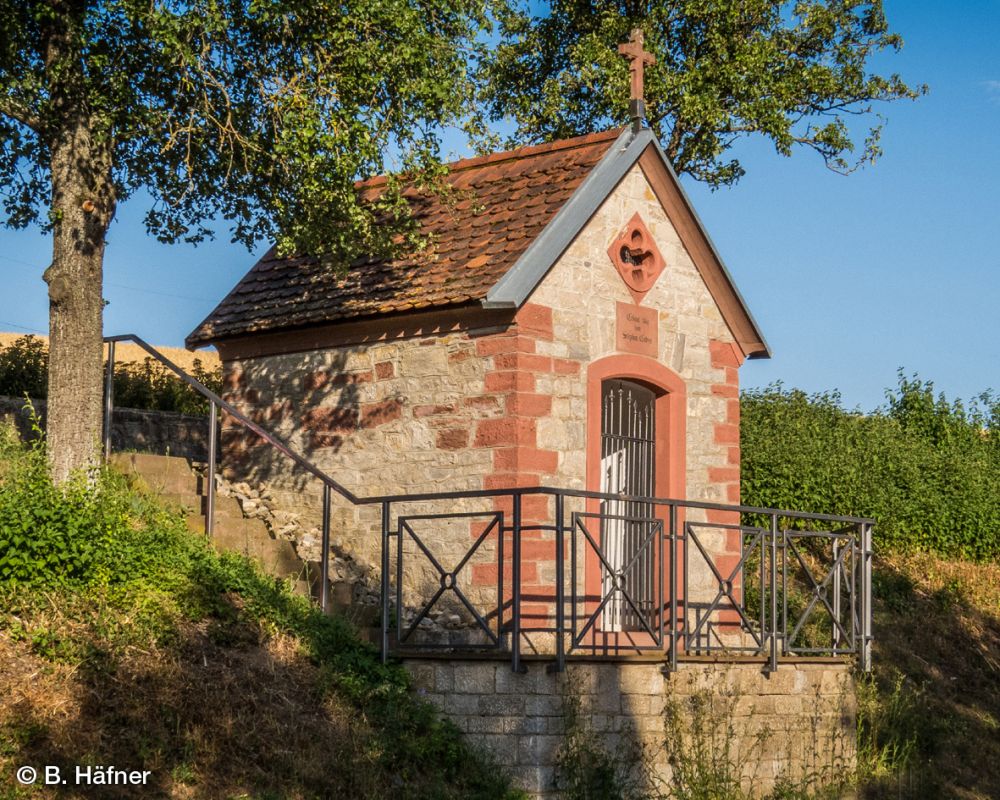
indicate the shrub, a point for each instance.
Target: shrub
{"x":925,"y":469}
{"x":24,"y":370}
{"x":151,"y":386}
{"x":24,"y":367}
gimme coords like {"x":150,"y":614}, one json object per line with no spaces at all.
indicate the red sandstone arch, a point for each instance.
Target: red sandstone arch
{"x":671,"y":418}
{"x":671,"y":461}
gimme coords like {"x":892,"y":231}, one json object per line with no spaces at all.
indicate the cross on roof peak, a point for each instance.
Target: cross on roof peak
{"x":638,"y":58}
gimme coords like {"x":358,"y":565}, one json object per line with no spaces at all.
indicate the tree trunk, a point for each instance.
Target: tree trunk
{"x":83,"y":204}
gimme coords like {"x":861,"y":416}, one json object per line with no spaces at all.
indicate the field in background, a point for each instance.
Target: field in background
{"x":130,"y":353}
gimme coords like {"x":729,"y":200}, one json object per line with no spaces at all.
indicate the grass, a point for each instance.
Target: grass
{"x":933,"y":703}
{"x":145,"y":649}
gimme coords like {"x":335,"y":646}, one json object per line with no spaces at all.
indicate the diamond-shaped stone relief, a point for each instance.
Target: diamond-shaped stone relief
{"x":636,"y":257}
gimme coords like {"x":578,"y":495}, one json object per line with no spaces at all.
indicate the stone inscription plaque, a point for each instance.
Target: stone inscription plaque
{"x":636,"y":330}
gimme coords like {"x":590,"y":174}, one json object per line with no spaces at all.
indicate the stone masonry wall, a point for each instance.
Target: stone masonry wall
{"x":160,"y":432}
{"x":795,"y":723}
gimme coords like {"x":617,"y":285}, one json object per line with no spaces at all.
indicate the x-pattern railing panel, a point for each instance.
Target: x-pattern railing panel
{"x":448,"y":579}
{"x":731,"y":588}
{"x":618,"y":578}
{"x":825,"y":587}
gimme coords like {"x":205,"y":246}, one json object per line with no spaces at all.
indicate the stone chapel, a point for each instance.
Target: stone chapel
{"x":535,"y":424}
{"x":570,"y":312}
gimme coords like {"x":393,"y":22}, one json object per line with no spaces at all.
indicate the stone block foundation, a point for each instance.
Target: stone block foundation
{"x":796,"y":724}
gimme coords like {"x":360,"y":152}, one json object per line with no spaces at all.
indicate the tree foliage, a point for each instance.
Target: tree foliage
{"x":259,"y":113}
{"x":794,"y":72}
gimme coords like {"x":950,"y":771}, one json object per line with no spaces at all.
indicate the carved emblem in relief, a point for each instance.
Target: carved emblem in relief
{"x":636,"y":257}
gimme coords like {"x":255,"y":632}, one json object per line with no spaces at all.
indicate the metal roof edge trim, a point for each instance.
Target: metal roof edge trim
{"x":534,"y":264}
{"x":715,"y":252}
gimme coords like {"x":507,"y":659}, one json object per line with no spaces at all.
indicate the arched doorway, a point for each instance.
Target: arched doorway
{"x":636,"y":445}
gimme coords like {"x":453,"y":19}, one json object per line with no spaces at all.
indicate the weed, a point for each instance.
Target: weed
{"x":888,"y":722}
{"x":587,"y":769}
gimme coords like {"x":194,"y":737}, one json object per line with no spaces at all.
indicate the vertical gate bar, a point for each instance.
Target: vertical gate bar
{"x":324,"y":559}
{"x":384,"y":638}
{"x":501,"y":535}
{"x":573,"y":579}
{"x":784,"y":590}
{"x":560,"y":587}
{"x":400,"y":535}
{"x":763,"y":588}
{"x":687,"y":603}
{"x":658,"y":561}
{"x":673,"y":588}
{"x":836,"y":594}
{"x":773,"y":662}
{"x":109,"y":399}
{"x":515,"y":644}
{"x":213,"y":444}
{"x":743,"y":573}
{"x":866,"y":643}
{"x":855,"y":549}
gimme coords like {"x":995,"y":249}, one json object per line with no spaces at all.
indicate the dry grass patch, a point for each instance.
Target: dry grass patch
{"x":218,"y":713}
{"x":937,"y":635}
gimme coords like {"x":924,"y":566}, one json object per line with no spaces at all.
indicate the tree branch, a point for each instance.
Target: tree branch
{"x":19,"y":112}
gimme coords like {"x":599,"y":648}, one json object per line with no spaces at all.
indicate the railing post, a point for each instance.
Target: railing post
{"x":213,"y":426}
{"x":773,"y":659}
{"x":685,"y":560}
{"x":560,"y":587}
{"x":515,"y":644}
{"x":866,"y":595}
{"x":324,"y":559}
{"x":673,"y":588}
{"x":109,"y":399}
{"x":384,"y":641}
{"x":836,"y":594}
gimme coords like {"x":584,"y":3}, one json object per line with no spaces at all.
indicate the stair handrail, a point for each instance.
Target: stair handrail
{"x":216,"y":401}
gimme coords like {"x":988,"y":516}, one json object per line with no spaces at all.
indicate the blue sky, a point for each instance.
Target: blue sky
{"x":850,"y":278}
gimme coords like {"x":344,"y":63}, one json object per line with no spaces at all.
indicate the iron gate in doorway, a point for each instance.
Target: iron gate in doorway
{"x":628,"y":468}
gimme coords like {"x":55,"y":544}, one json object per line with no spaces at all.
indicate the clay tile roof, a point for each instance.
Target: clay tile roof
{"x":504,"y":202}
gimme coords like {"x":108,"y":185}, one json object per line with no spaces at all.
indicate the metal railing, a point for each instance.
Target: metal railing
{"x":771,"y":584}
{"x":797,"y":585}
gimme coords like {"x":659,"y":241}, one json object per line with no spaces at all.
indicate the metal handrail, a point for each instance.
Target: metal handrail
{"x":230,"y":409}
{"x":215,"y":403}
{"x":307,"y":465}
{"x":330,"y":485}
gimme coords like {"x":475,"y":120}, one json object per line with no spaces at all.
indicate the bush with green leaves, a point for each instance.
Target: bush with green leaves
{"x":926,"y":469}
{"x":24,"y":370}
{"x":24,"y":367}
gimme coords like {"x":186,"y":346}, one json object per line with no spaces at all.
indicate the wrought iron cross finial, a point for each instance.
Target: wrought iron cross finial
{"x":638,"y":59}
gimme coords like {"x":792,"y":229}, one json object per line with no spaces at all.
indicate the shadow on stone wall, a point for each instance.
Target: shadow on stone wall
{"x":291,"y":403}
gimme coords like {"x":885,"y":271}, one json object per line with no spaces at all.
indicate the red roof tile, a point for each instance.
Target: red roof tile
{"x":508,"y":199}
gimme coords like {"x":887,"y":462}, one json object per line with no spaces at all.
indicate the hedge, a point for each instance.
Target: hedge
{"x":926,"y":469}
